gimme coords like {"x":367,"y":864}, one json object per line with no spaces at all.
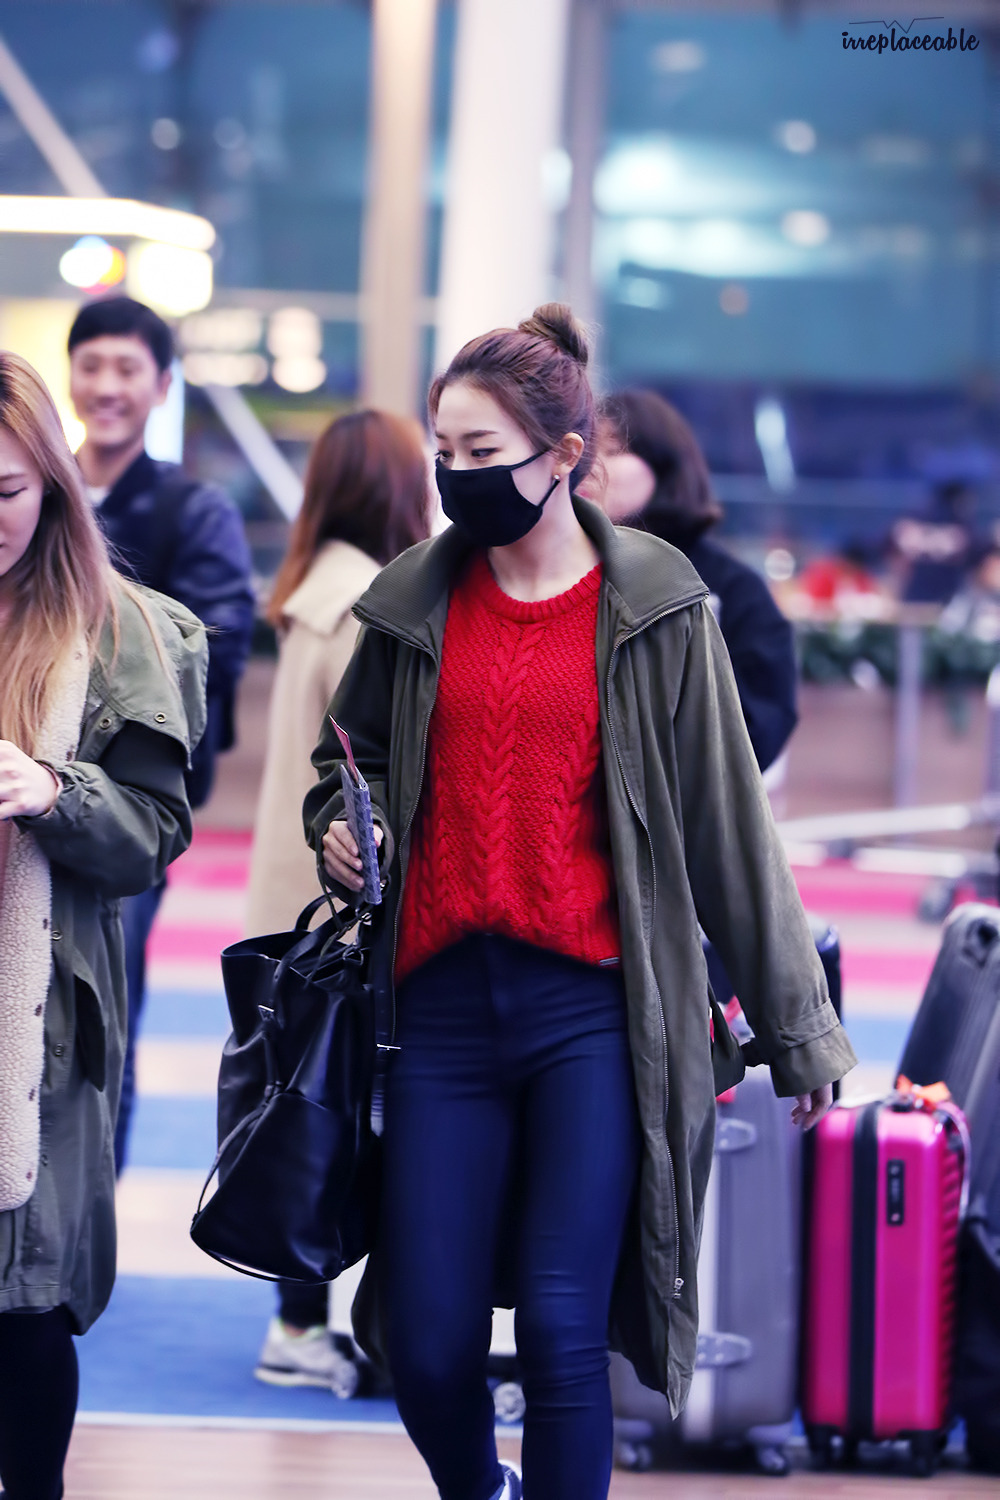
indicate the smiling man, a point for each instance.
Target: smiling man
{"x":171,"y":533}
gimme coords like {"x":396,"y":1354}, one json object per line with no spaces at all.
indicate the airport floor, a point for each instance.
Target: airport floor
{"x":169,"y":1406}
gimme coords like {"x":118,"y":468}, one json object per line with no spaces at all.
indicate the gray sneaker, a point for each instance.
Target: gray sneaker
{"x":307,"y":1358}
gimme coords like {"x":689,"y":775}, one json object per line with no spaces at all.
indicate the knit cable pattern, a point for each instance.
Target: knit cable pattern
{"x":511,"y":834}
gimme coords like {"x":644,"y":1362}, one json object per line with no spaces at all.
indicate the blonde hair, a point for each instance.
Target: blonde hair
{"x":62,"y":589}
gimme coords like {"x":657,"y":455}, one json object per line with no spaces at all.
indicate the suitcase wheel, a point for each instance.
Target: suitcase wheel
{"x":820,"y":1441}
{"x":508,"y":1402}
{"x":925,"y":1453}
{"x":772,"y":1459}
{"x":345,"y":1378}
{"x":635,"y":1456}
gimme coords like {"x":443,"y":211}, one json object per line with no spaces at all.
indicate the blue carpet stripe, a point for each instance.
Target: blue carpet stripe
{"x":185,"y":1013}
{"x":877,"y":1039}
{"x":180,"y":1132}
{"x":172,"y":1132}
{"x":179,"y":1346}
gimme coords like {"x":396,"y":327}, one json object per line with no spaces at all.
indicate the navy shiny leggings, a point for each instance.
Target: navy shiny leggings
{"x":513,"y":1071}
{"x":39,"y":1382}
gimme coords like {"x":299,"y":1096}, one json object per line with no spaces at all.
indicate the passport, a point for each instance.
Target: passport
{"x":358,"y":816}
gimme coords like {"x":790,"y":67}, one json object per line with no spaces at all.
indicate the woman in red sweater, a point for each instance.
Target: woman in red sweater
{"x":537,"y":1032}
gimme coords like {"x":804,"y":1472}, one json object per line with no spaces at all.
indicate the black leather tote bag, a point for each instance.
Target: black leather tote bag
{"x":297,"y":1163}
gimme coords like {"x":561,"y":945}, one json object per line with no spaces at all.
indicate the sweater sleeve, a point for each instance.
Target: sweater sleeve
{"x":743,"y":889}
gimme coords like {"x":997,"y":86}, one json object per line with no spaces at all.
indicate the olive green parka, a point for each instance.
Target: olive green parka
{"x":693,"y":841}
{"x":121,"y":816}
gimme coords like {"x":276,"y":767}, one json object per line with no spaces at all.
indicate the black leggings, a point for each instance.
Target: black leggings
{"x":39,"y":1384}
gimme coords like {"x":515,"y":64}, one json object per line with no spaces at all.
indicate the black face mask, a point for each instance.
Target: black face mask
{"x":487,"y":504}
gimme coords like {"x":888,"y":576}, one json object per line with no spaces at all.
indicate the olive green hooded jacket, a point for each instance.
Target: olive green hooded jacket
{"x":121,"y":817}
{"x":693,"y":841}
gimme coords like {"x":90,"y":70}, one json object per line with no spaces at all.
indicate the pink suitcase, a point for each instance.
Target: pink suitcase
{"x":887,"y":1200}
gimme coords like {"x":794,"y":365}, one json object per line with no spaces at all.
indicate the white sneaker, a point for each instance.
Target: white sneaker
{"x":511,"y":1483}
{"x":307,"y":1358}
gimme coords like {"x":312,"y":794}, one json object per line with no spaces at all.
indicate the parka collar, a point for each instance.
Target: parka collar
{"x":644,"y":578}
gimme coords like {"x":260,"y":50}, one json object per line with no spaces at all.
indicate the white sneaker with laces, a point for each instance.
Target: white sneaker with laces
{"x":307,"y":1358}
{"x":511,"y":1483}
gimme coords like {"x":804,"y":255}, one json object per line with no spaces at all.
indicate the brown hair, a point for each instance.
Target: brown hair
{"x":537,"y":372}
{"x":683,"y":504}
{"x":366,"y":484}
{"x":62,"y":587}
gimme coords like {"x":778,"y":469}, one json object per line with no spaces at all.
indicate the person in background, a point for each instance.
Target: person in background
{"x":366,"y":500}
{"x":544,"y":711}
{"x":657,"y":480}
{"x":935,"y":552}
{"x":170,"y":533}
{"x":101,"y":701}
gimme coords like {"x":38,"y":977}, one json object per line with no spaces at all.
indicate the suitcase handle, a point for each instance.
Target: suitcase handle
{"x":961,"y":1124}
{"x":979,"y":941}
{"x":904,"y":1100}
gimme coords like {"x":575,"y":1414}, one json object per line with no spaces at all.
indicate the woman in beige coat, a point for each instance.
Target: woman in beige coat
{"x":366,"y":501}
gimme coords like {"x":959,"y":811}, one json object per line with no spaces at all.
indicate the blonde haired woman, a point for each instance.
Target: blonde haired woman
{"x":101,"y":699}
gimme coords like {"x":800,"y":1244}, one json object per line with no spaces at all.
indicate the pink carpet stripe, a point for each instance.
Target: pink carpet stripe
{"x":184,"y":941}
{"x":220,"y":839}
{"x":886,"y":966}
{"x":838,"y":887}
{"x":218,"y":875}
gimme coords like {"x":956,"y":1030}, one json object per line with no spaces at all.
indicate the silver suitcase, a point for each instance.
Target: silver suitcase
{"x":744,"y":1390}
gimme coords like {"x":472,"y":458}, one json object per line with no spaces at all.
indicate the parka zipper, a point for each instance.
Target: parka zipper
{"x":403,"y":838}
{"x":676,"y":1282}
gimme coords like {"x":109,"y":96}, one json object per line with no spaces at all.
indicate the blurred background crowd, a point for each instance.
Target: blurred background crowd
{"x":794,"y":241}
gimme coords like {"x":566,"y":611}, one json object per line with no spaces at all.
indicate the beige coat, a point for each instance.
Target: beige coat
{"x":316,"y":644}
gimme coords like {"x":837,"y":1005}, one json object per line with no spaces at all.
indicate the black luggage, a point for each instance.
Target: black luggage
{"x":977,"y":1365}
{"x":959,"y":1015}
{"x":955,"y":1039}
{"x":977,"y":1357}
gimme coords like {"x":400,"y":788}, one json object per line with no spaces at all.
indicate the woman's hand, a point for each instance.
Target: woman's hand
{"x":810,"y":1108}
{"x":26,"y":788}
{"x":340,"y":855}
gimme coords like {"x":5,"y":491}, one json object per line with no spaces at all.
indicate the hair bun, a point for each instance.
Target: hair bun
{"x":555,"y":321}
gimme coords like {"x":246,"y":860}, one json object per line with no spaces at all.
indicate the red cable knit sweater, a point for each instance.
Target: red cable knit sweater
{"x":511,"y":833}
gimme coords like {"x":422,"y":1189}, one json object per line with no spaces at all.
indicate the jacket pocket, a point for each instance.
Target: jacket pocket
{"x":91,"y":1037}
{"x":728,"y":1062}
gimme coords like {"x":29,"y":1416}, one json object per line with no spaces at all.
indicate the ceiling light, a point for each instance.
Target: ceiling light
{"x":796,"y":135}
{"x":295,"y":332}
{"x":679,"y":57}
{"x":113,"y":218}
{"x":165,"y":134}
{"x":173,"y":280}
{"x":298,"y":372}
{"x":803,"y":226}
{"x":211,"y":367}
{"x":91,"y":263}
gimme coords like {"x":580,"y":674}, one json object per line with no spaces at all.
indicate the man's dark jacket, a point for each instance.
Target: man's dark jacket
{"x":186,"y":539}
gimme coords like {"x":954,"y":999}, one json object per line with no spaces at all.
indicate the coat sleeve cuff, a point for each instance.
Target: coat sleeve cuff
{"x":824,"y":1059}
